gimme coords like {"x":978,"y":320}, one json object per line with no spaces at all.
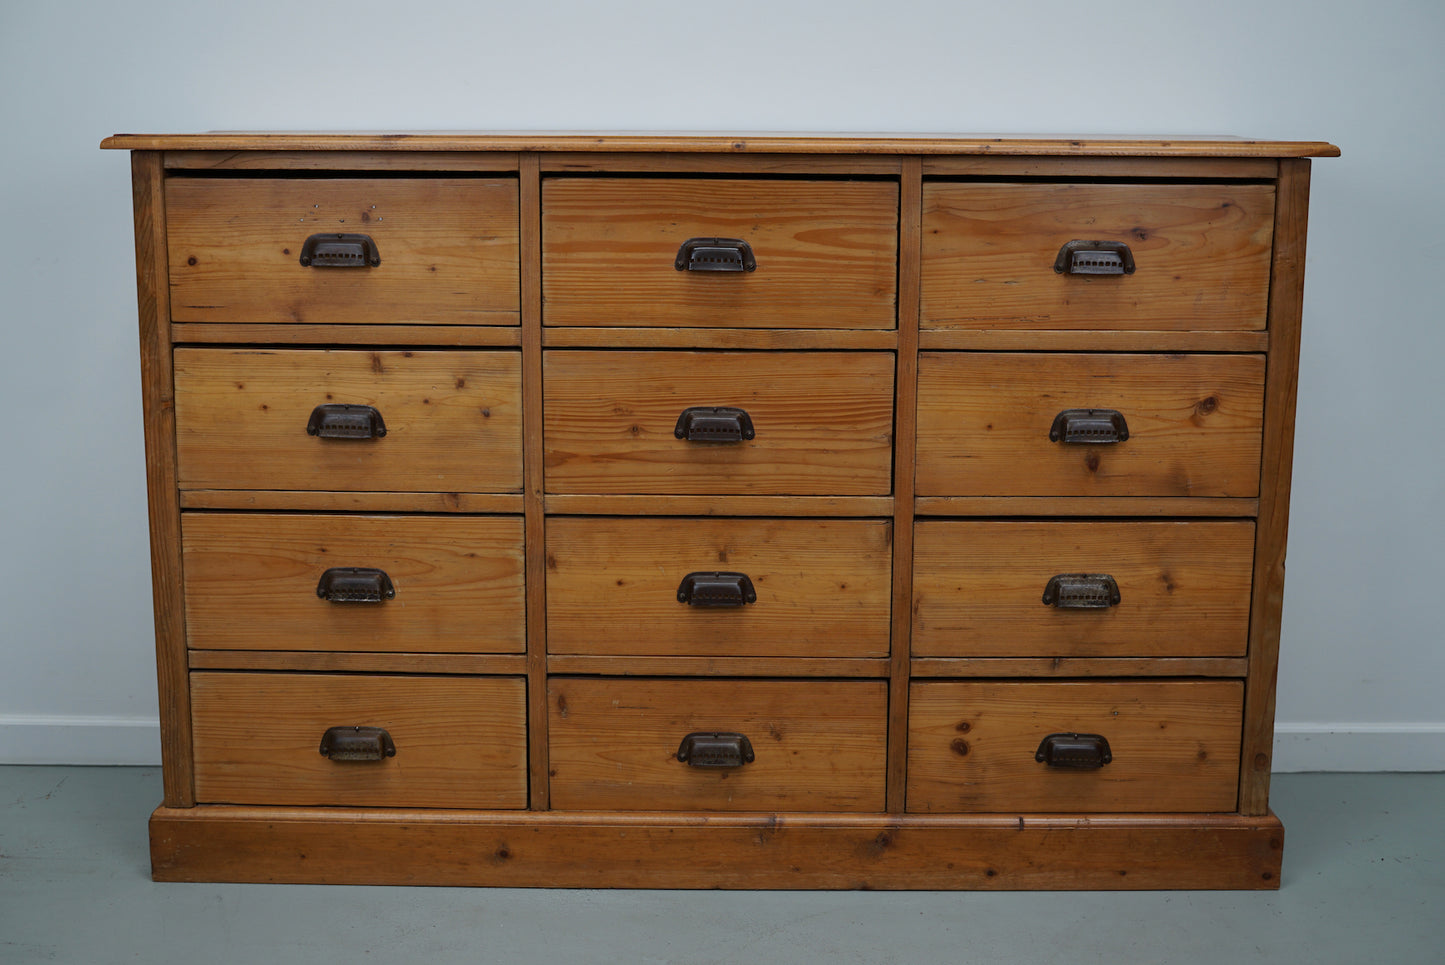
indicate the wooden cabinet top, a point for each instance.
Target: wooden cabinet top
{"x":735,"y":143}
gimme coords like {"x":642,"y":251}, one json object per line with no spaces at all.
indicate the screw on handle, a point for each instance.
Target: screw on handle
{"x":355,"y":584}
{"x":357,"y":743}
{"x":1082,"y":591}
{"x":1089,"y":427}
{"x":716,"y":590}
{"x":336,"y":420}
{"x":1094,"y":258}
{"x":706,"y":749}
{"x":1075,"y":751}
{"x":714,"y":423}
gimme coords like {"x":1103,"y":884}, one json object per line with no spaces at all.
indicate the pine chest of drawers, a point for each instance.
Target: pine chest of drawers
{"x":649,"y":511}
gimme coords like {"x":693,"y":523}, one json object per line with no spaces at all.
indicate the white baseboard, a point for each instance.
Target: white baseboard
{"x":1359,"y":747}
{"x":43,"y":739}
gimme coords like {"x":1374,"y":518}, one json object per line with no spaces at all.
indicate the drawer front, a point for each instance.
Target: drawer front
{"x":448,"y":250}
{"x":1174,"y":745}
{"x":984,"y":421}
{"x":818,"y":587}
{"x":453,"y":420}
{"x":291,"y":582}
{"x":822,"y":422}
{"x":817,"y":745}
{"x":460,"y":742}
{"x":980,"y":588}
{"x":1201,"y":256}
{"x":825,"y":253}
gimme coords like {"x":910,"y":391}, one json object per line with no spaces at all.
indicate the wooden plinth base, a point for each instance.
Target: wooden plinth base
{"x":656,"y":850}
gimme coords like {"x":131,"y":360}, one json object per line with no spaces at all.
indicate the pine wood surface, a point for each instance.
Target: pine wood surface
{"x":1090,"y":340}
{"x":824,"y":422}
{"x":158,"y":406}
{"x":826,"y":253}
{"x":819,"y":744}
{"x":1056,"y":667}
{"x":608,"y":665}
{"x":456,"y":336}
{"x":448,"y":250}
{"x":711,"y":142}
{"x":1175,"y":745}
{"x":783,"y":339}
{"x":984,"y":419}
{"x":251,"y":582}
{"x":1201,"y":254}
{"x":340,"y":160}
{"x":725,"y":505}
{"x":1183,"y":587}
{"x":1085,"y":506}
{"x":453,"y":419}
{"x":595,"y":849}
{"x":460,"y":741}
{"x":322,"y":502}
{"x":320,"y":661}
{"x":1098,"y":167}
{"x":1267,"y":598}
{"x":823,"y":586}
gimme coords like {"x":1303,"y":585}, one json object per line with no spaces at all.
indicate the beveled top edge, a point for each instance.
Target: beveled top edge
{"x":1126,"y":145}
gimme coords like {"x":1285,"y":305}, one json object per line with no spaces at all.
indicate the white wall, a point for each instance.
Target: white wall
{"x":1362,"y":662}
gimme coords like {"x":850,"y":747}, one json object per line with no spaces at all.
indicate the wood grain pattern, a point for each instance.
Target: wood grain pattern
{"x":826,"y":253}
{"x":324,"y":502}
{"x":776,"y":339}
{"x":1054,"y":667}
{"x":158,"y":401}
{"x":1090,"y":340}
{"x":823,"y":586}
{"x":1175,"y":745}
{"x":629,"y":666}
{"x":824,"y":422}
{"x":754,"y":165}
{"x":458,"y":582}
{"x":1194,"y":424}
{"x":455,"y":336}
{"x":275,"y":160}
{"x":1267,"y":598}
{"x":530,"y":183}
{"x":702,"y":142}
{"x":1099,"y":167}
{"x":622,"y":504}
{"x":1085,"y":506}
{"x":592,"y":849}
{"x":819,"y":744}
{"x":472,"y":664}
{"x":1183,"y":586}
{"x":905,"y":455}
{"x":448,"y":250}
{"x":453,"y":420}
{"x":460,"y":741}
{"x":1202,"y":256}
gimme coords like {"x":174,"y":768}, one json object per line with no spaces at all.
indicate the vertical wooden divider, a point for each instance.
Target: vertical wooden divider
{"x":1286,"y":301}
{"x":530,"y":197}
{"x":163,"y":502}
{"x":910,"y":242}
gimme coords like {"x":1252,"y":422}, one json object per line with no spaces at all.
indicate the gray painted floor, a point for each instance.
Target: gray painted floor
{"x":1364,"y":881}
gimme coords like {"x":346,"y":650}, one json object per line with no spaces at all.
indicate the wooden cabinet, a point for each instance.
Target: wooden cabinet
{"x":696,"y":512}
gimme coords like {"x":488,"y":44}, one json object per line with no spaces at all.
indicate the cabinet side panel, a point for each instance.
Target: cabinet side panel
{"x":1281,"y":380}
{"x":158,"y":395}
{"x":530,"y":232}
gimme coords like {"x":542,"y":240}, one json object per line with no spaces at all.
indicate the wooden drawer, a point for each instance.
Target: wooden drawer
{"x":984,"y":421}
{"x":818,"y":744}
{"x":253,"y":583}
{"x":1201,"y":256}
{"x":460,"y":741}
{"x":1175,"y":745}
{"x":453,"y":420}
{"x":823,"y":422}
{"x":825,"y":251}
{"x":448,"y":248}
{"x":979,"y":588}
{"x":822,"y":586}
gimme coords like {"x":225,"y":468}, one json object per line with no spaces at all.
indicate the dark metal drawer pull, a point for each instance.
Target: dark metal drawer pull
{"x":701,"y":749}
{"x":715,"y":254}
{"x":1089,"y":427}
{"x":357,"y":744}
{"x":340,"y":251}
{"x":716,"y":590}
{"x":714,"y":423}
{"x":336,"y":420}
{"x":1094,"y":258}
{"x":355,"y":584}
{"x":1080,"y":751}
{"x":1082,"y":591}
